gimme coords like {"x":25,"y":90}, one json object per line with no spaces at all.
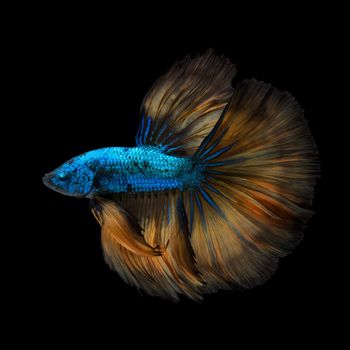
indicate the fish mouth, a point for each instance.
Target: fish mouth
{"x":47,"y":181}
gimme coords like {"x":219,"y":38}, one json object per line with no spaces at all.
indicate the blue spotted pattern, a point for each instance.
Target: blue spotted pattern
{"x":125,"y":169}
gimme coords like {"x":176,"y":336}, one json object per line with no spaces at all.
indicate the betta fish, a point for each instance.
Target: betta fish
{"x":218,"y":187}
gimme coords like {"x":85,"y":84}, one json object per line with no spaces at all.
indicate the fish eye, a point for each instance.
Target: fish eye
{"x":61,"y":176}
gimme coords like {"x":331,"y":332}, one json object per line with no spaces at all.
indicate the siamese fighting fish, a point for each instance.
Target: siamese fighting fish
{"x":218,"y":187}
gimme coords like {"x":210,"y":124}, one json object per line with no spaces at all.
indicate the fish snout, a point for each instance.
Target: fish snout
{"x":47,"y":180}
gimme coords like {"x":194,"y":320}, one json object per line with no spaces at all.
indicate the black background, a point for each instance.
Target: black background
{"x":83,"y":81}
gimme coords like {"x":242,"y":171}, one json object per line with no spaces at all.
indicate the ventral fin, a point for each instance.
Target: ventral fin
{"x":122,"y":228}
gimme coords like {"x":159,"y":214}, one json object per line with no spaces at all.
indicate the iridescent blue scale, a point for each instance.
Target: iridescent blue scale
{"x":140,"y":169}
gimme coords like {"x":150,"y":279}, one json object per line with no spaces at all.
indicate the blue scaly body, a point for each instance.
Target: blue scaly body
{"x":124,"y":169}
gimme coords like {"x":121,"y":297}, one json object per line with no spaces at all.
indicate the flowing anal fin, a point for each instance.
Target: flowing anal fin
{"x":181,"y":247}
{"x":120,"y":227}
{"x":161,"y":220}
{"x":184,"y":104}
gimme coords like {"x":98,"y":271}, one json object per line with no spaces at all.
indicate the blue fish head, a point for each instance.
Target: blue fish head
{"x":73,"y":178}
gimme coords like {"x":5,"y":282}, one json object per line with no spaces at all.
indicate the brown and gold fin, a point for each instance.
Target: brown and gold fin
{"x":185,"y":103}
{"x":145,"y":238}
{"x":260,"y":166}
{"x":122,"y":228}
